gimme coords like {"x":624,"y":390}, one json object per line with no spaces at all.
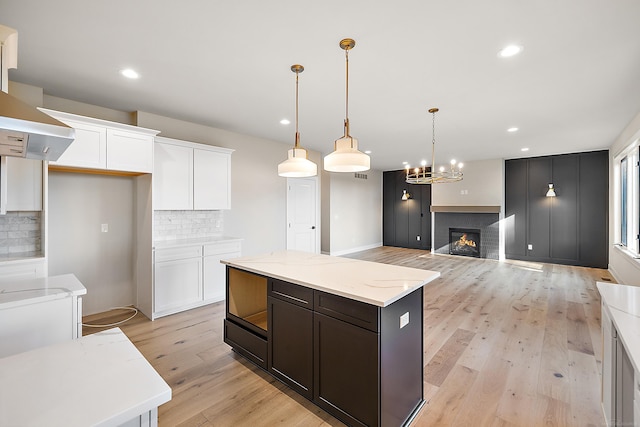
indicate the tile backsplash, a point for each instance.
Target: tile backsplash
{"x":20,"y":232}
{"x":171,"y":225}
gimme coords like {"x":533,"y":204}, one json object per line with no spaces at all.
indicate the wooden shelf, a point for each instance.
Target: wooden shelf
{"x":258,"y":319}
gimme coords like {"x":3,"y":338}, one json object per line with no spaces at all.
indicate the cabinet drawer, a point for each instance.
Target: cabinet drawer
{"x":221,"y":248}
{"x":354,"y":312}
{"x":171,"y":254}
{"x":246,"y":343}
{"x":295,"y":294}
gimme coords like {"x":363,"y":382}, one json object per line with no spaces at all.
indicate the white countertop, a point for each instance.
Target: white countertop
{"x":369,"y":282}
{"x":623,"y":305}
{"x":100,"y":380}
{"x":17,"y":292}
{"x":161,"y":244}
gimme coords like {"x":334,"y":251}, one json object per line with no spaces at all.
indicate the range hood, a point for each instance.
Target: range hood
{"x":27,"y":132}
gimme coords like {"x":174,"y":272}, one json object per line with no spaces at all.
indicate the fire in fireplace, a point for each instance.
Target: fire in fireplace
{"x":464,"y":242}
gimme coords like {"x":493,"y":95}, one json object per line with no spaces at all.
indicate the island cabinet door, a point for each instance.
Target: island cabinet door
{"x":291,"y":345}
{"x":346,"y":372}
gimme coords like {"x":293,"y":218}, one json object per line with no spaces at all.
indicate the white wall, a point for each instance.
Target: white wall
{"x":103,"y":262}
{"x":482,"y":185}
{"x":624,"y":268}
{"x":352,"y":212}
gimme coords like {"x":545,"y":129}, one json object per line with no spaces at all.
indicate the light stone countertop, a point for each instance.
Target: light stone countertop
{"x":175,"y":243}
{"x":365,"y":281}
{"x":18,"y":292}
{"x":97,"y":380}
{"x":623,"y":305}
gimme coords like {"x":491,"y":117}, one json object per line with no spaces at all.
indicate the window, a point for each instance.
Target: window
{"x":630,"y":200}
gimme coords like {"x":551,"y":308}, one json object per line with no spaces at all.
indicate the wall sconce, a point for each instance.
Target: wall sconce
{"x":551,"y":192}
{"x":405,"y":196}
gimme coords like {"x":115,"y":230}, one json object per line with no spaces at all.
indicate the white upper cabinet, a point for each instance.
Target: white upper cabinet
{"x":211,"y":180}
{"x":105,"y":145}
{"x":129,"y":151}
{"x":24,"y":184}
{"x":190,"y":176}
{"x":172,"y":177}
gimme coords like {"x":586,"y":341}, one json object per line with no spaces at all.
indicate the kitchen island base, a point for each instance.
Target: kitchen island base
{"x":360,"y":362}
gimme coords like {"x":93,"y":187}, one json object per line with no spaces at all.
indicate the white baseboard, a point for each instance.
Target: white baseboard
{"x":352,"y":250}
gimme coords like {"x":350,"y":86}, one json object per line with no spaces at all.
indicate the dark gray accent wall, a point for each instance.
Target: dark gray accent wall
{"x":404,"y":221}
{"x":571,"y":228}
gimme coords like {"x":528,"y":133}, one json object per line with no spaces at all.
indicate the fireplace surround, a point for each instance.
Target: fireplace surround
{"x":487,"y":222}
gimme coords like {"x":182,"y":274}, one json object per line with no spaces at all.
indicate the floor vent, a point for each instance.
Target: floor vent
{"x":605,"y":279}
{"x":360,"y":175}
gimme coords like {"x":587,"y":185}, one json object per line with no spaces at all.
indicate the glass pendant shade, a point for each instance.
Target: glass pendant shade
{"x":347,"y":157}
{"x":297,"y":165}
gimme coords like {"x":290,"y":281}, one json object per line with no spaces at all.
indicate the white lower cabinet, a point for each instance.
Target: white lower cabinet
{"x":39,"y":312}
{"x":609,"y":346}
{"x":214,"y":271}
{"x":620,"y":390}
{"x":189,"y":276}
{"x":177,"y":279}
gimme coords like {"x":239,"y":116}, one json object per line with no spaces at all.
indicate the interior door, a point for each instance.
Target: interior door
{"x":302,"y":214}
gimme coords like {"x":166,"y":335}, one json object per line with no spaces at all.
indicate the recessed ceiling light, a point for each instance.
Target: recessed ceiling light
{"x":510,"y":51}
{"x":524,"y":149}
{"x":284,"y":122}
{"x":129,"y":73}
{"x":513,"y":129}
{"x":405,"y":163}
{"x":367,"y":152}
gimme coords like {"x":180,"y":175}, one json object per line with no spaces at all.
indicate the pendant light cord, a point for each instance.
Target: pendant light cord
{"x":433,"y":142}
{"x":297,"y":142}
{"x":346,"y":112}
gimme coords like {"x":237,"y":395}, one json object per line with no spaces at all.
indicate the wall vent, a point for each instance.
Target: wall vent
{"x":360,"y":175}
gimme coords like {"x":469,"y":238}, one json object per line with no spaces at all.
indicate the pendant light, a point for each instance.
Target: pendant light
{"x":297,"y":164}
{"x":346,"y":157}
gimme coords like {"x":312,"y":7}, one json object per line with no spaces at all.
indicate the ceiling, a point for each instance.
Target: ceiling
{"x":574,"y":87}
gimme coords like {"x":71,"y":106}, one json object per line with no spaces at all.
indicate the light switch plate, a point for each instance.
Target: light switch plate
{"x":404,"y":320}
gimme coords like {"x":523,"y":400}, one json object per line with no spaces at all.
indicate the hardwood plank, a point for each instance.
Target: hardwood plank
{"x":578,"y":334}
{"x":443,"y":408}
{"x":441,"y":364}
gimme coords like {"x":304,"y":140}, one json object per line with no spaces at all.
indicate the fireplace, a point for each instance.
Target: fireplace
{"x":464,"y":241}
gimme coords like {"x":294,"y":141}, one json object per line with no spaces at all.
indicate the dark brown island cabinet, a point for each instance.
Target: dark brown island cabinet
{"x":359,"y":361}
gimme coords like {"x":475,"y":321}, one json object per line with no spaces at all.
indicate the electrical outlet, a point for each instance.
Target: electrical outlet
{"x":404,"y":320}
{"x":105,"y":228}
{"x":530,"y":247}
{"x":417,"y":237}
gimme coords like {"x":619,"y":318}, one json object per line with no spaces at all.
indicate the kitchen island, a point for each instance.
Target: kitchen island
{"x":346,"y":334}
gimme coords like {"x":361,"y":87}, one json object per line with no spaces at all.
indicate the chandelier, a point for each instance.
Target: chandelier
{"x":346,"y":157}
{"x":297,"y":164}
{"x":428,"y":175}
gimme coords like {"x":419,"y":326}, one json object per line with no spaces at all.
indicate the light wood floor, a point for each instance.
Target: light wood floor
{"x":506,"y":344}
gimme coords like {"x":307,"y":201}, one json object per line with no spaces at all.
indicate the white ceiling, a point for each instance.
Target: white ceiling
{"x":227,"y":64}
